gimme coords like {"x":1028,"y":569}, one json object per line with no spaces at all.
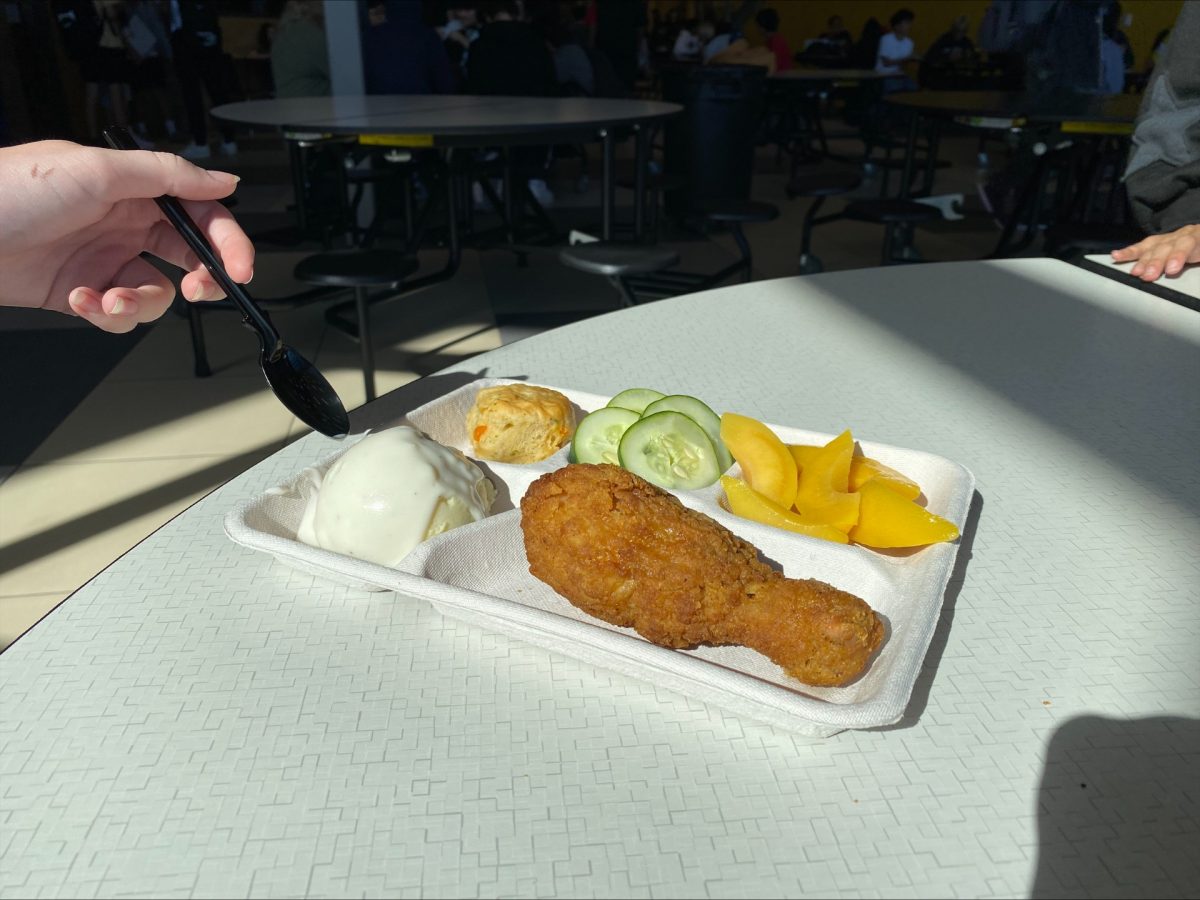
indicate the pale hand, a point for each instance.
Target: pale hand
{"x":73,"y":220}
{"x":1162,"y":253}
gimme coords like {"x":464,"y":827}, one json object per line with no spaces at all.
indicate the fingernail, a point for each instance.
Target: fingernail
{"x":199,"y":293}
{"x":82,"y":302}
{"x":122,"y":306}
{"x":226,"y":177}
{"x":251,"y":278}
{"x":1174,"y":266}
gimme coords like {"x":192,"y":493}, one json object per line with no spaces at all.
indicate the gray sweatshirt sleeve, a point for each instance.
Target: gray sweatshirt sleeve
{"x":1163,"y":175}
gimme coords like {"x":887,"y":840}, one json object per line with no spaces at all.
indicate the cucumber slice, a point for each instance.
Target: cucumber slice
{"x":636,"y":399}
{"x":598,"y":435}
{"x":670,"y":450}
{"x":700,"y":413}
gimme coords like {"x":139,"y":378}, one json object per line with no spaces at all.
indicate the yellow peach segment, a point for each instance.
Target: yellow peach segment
{"x":766,"y":464}
{"x":746,"y":502}
{"x":864,"y":469}
{"x":887,"y":519}
{"x":821,"y":495}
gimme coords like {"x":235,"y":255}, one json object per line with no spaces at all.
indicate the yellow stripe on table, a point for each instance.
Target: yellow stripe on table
{"x":397,"y":140}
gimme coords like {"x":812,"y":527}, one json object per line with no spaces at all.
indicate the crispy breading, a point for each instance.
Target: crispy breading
{"x":629,"y":553}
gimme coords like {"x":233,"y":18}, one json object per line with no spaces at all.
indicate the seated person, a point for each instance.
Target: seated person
{"x":720,"y":42}
{"x":1162,"y":178}
{"x":299,"y":54}
{"x":509,"y":58}
{"x":687,"y":43}
{"x":768,"y":21}
{"x":837,"y":34}
{"x":403,"y":56}
{"x":895,"y":49}
{"x":952,"y":47}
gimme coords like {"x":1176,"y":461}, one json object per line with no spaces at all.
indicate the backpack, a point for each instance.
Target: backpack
{"x":79,"y":26}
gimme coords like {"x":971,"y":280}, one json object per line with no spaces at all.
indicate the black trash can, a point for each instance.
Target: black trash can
{"x":712,"y":144}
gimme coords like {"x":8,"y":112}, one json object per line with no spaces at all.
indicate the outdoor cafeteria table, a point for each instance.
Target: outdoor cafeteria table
{"x":201,"y":720}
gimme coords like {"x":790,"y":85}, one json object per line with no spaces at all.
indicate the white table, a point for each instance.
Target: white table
{"x":198,"y":720}
{"x":1182,"y":288}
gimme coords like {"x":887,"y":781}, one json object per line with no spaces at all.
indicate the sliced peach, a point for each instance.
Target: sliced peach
{"x":821,"y":495}
{"x":766,"y":464}
{"x":862,"y":470}
{"x":886,"y":519}
{"x":748,"y":503}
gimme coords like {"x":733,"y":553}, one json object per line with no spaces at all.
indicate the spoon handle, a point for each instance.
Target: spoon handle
{"x":119,"y":138}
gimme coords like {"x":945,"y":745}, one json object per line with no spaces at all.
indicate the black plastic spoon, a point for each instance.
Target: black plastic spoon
{"x":295,"y":381}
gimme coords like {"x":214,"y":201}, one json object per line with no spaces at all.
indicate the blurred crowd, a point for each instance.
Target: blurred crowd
{"x":159,"y":65}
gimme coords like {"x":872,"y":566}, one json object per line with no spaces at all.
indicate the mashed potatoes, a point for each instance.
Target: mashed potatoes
{"x":390,"y":491}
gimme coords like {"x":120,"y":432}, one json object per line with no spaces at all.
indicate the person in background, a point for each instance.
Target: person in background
{"x":721,"y":40}
{"x":200,"y":67}
{"x":459,"y":32}
{"x":895,"y":49}
{"x":768,"y":21}
{"x":149,"y":44}
{"x":837,"y":34}
{"x":74,"y":221}
{"x":1162,"y":178}
{"x":299,"y":53}
{"x":618,"y":34}
{"x":954,"y":45}
{"x":511,"y":59}
{"x":93,"y":35}
{"x":688,"y":43}
{"x":1112,"y":54}
{"x":401,"y":55}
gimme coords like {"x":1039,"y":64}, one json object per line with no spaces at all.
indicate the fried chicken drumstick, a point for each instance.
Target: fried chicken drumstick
{"x":625,"y":551}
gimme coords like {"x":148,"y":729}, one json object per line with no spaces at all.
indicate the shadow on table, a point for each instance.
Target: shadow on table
{"x":937,"y":645}
{"x":1085,"y":370}
{"x":1119,"y":809}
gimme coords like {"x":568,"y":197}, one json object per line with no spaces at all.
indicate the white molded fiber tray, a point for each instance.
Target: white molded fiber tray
{"x":478,"y":573}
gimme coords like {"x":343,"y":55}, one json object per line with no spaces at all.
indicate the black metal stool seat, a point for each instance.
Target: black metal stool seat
{"x":890,"y":210}
{"x":739,"y":212}
{"x":358,"y":269}
{"x":896,"y":214}
{"x":616,"y":260}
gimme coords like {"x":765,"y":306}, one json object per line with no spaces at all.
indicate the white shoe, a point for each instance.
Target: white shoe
{"x":196,"y":151}
{"x":541,"y":191}
{"x":229,"y":148}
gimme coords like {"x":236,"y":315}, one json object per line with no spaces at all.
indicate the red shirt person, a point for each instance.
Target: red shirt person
{"x":768,"y":21}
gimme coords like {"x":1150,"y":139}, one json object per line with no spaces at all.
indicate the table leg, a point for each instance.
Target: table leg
{"x":607,"y":188}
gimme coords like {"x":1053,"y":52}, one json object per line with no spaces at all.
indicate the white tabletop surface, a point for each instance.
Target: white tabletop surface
{"x":199,"y":720}
{"x":1186,"y":282}
{"x":450,"y":114}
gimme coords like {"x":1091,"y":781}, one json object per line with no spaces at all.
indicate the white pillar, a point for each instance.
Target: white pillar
{"x":345,"y":47}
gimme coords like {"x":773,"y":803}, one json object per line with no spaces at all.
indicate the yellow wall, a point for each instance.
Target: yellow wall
{"x":803,"y":19}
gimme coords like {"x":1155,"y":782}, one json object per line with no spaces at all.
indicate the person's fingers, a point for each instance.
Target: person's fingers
{"x":131,"y":174}
{"x":141,"y":294}
{"x":227,"y":238}
{"x":1124,"y":254}
{"x":1181,"y":251}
